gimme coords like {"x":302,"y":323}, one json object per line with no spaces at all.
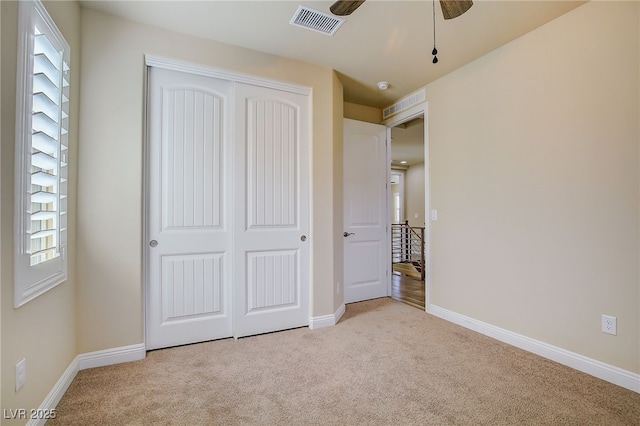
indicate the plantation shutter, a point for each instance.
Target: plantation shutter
{"x":42,"y":145}
{"x":49,"y":144}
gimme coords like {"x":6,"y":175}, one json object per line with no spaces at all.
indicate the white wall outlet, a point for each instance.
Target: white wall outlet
{"x":434,"y":214}
{"x":21,"y":374}
{"x":609,"y":324}
{"x":338,"y":289}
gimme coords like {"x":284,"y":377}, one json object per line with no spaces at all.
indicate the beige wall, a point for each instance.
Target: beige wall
{"x":414,"y":194}
{"x":535,"y":175}
{"x":42,"y":331}
{"x":111,"y":158}
{"x":362,"y":113}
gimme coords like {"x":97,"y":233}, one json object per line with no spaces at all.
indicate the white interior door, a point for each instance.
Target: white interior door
{"x":366,"y":246}
{"x":189,"y":233}
{"x":271,"y":290}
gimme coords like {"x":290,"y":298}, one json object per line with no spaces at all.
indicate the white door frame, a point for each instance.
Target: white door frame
{"x":207,"y":71}
{"x":420,"y":110}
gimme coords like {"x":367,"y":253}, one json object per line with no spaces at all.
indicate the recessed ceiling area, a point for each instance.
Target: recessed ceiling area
{"x":382,"y":40}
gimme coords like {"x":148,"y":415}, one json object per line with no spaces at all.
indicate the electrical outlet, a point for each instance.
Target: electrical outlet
{"x":21,"y":374}
{"x":338,"y":289}
{"x":609,"y":324}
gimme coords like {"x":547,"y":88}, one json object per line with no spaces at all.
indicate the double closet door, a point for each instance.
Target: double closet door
{"x":227,"y":248}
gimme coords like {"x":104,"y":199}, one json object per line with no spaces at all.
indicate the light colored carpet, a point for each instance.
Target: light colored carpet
{"x":385,"y":363}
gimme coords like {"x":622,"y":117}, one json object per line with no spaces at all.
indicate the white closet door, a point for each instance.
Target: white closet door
{"x":271,"y":238}
{"x":189,"y":232}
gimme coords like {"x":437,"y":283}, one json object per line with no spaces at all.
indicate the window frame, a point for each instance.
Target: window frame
{"x":30,"y":281}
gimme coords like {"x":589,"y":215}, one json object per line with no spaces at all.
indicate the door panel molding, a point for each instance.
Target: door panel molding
{"x":271,"y":280}
{"x":192,"y":286}
{"x":201,"y":163}
{"x":271,"y":152}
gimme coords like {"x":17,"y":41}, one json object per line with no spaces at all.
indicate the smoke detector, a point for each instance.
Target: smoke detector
{"x":383,"y":85}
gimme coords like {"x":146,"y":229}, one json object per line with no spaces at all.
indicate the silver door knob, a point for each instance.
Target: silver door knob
{"x":153,"y":243}
{"x":346,"y":234}
{"x":303,"y":238}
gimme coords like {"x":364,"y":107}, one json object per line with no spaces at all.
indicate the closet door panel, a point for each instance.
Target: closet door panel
{"x":189,"y":234}
{"x":271,"y":291}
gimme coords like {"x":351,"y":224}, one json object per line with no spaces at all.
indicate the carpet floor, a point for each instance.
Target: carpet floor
{"x":384,"y":363}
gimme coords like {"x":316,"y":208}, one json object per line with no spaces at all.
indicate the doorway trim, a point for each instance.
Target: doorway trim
{"x":419,"y":110}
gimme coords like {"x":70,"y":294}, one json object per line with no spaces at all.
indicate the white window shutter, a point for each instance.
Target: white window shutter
{"x":41,"y":154}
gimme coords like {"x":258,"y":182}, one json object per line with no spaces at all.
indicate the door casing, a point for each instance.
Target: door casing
{"x":419,"y":110}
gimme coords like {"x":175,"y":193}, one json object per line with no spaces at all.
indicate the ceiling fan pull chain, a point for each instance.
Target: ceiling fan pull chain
{"x":434,"y":52}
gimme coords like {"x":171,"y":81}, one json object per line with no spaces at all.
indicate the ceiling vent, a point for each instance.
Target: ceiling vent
{"x":316,"y":21}
{"x":404,"y":104}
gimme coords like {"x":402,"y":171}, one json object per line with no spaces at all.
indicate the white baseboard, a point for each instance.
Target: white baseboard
{"x":111,"y":356}
{"x":327,"y":320}
{"x":82,"y":362}
{"x":609,"y":373}
{"x":56,"y":393}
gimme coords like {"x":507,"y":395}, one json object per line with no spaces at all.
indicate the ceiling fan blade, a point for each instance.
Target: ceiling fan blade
{"x":345,"y":7}
{"x":454,"y":8}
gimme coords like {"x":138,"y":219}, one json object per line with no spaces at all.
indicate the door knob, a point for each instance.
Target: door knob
{"x":346,"y":234}
{"x":153,"y":243}
{"x":303,"y":238}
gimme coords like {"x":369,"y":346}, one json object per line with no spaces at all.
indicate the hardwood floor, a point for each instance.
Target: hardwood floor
{"x":408,"y":290}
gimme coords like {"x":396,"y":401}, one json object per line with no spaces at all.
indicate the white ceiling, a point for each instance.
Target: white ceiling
{"x":382,"y":40}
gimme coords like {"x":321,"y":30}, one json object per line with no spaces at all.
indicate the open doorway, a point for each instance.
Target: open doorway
{"x":408,"y":212}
